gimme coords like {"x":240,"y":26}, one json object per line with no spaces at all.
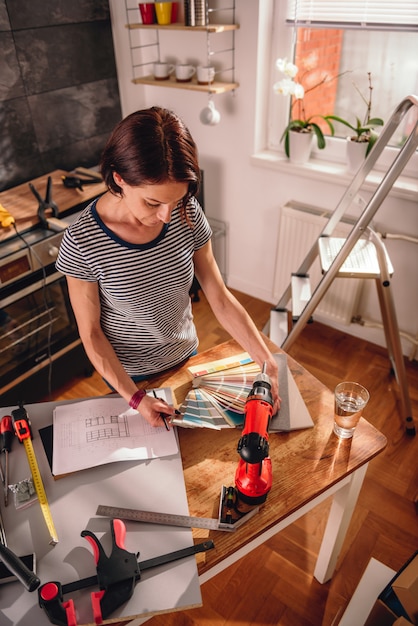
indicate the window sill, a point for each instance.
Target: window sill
{"x":405,"y":187}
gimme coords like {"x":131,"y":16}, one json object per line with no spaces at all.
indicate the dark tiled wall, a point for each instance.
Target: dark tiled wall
{"x":59,"y":96}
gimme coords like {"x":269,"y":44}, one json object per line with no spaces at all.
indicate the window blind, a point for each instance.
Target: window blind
{"x":368,"y":14}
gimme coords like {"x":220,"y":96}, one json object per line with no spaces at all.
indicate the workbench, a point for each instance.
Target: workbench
{"x":20,"y":202}
{"x":308,"y":466}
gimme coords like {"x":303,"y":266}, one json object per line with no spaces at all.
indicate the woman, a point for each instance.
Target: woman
{"x":131,"y":256}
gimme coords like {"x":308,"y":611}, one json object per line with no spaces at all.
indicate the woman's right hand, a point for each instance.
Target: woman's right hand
{"x":152,"y":409}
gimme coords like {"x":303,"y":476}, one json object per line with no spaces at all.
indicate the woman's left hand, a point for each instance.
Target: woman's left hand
{"x":272,"y":372}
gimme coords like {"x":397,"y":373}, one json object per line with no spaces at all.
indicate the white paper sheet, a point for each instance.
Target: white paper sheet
{"x":103,"y":430}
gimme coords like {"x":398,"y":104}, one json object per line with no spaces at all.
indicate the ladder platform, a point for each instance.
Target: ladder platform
{"x":362,"y":262}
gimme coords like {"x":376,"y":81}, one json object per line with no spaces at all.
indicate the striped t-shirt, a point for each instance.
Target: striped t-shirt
{"x":144,"y":288}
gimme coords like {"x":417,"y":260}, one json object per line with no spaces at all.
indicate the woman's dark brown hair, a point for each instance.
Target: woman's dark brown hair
{"x":149,"y":147}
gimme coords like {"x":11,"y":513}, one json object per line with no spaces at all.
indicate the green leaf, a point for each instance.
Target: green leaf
{"x":372,"y":140}
{"x":319,"y":136}
{"x":286,"y":144}
{"x":331,"y":126}
{"x":375,"y":121}
{"x":341,"y":121}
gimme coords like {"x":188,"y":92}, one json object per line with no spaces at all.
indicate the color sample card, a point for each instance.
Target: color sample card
{"x":220,"y":391}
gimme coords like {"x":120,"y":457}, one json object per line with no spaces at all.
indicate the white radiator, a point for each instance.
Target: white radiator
{"x":300,"y":227}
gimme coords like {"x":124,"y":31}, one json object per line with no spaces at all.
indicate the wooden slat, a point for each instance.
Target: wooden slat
{"x":208,"y":28}
{"x":216,"y":87}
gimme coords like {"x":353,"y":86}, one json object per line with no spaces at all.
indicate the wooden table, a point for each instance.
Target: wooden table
{"x":308,"y":466}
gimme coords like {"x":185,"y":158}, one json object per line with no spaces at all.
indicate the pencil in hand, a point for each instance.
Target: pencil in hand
{"x":162,"y":415}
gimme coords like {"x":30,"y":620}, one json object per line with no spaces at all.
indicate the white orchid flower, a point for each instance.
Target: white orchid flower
{"x":284,"y":66}
{"x":299,"y":91}
{"x":286,"y":87}
{"x":281,"y":64}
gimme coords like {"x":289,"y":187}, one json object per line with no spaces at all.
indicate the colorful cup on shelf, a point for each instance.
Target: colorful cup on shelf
{"x":147,"y":11}
{"x":163,"y":11}
{"x":174,"y":12}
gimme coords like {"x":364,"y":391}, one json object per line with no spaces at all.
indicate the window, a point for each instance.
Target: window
{"x":327,"y":38}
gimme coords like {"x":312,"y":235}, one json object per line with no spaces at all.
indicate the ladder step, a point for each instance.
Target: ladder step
{"x":279,"y":325}
{"x":301,"y":293}
{"x":362,"y":262}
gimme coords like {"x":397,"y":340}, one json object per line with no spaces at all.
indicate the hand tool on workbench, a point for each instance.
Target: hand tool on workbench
{"x":171,"y":519}
{"x":6,"y":438}
{"x":15,"y":564}
{"x":23,"y":430}
{"x":17,"y":567}
{"x":75,"y":182}
{"x":46,"y":204}
{"x":116,"y":576}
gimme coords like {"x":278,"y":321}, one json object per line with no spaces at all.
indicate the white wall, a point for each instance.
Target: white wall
{"x":248,"y":197}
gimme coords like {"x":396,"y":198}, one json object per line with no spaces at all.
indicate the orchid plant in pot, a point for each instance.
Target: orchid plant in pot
{"x":302,"y":124}
{"x":364,"y":132}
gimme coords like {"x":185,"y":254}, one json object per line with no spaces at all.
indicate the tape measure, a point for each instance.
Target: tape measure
{"x":23,"y":430}
{"x":168,"y":519}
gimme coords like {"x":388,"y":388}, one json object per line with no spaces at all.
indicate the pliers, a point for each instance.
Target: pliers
{"x":75,"y":182}
{"x":46,"y":204}
{"x":116,"y":577}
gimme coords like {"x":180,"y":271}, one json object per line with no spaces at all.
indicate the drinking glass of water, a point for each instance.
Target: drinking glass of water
{"x":350,"y":400}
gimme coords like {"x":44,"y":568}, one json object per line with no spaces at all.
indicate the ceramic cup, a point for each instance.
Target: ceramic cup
{"x":205,"y":74}
{"x":163,"y":11}
{"x":209,"y":115}
{"x":162,"y":71}
{"x":147,"y":10}
{"x":185,"y":72}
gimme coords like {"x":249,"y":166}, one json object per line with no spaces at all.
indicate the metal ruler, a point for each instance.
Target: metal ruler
{"x":168,"y":519}
{"x":22,"y":428}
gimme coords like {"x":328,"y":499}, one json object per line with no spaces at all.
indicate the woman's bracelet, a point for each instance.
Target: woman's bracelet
{"x":136,"y":398}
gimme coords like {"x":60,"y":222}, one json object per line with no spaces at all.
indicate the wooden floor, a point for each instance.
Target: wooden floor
{"x":274,"y":584}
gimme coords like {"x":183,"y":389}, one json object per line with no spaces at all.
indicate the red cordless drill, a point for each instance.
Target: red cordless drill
{"x":253,"y":477}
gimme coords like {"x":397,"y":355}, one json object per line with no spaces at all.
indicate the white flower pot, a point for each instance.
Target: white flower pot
{"x":356,"y":153}
{"x":300,"y":147}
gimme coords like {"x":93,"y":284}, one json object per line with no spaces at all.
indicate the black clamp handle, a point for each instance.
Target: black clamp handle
{"x":46,"y":204}
{"x":50,"y":596}
{"x":17,"y":567}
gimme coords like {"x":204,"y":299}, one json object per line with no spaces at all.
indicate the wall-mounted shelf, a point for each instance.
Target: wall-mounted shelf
{"x":138,"y":45}
{"x":209,"y":28}
{"x":216,"y":87}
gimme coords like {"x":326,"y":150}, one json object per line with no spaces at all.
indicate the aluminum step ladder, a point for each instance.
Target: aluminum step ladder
{"x":344,"y":260}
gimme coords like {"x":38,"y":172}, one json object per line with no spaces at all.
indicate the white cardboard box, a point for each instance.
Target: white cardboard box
{"x":375,"y":578}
